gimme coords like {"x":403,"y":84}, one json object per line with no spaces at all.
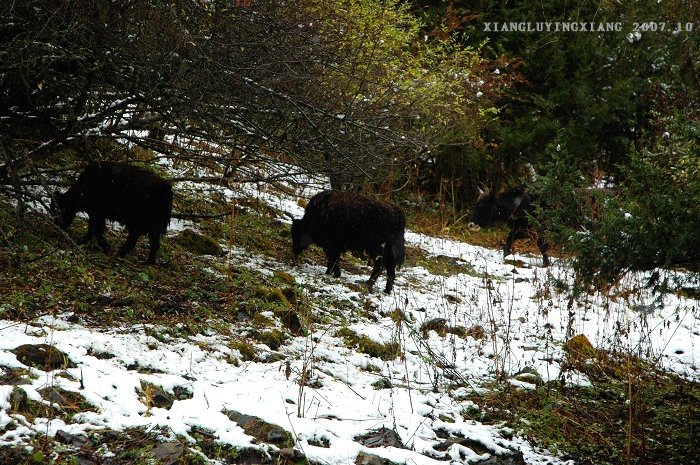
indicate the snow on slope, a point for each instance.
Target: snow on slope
{"x":515,"y":304}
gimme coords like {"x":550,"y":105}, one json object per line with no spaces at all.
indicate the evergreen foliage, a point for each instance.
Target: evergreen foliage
{"x":653,"y":223}
{"x":649,"y":221}
{"x":619,"y":105}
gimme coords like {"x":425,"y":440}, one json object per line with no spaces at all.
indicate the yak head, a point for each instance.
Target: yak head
{"x":485,"y":210}
{"x":64,"y":207}
{"x":301,"y":238}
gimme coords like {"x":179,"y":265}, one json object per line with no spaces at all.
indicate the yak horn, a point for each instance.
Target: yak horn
{"x":483,"y":190}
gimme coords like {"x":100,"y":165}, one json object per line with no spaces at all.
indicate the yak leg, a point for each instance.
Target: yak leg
{"x":90,"y":232}
{"x":97,"y":227}
{"x":390,"y":263}
{"x":384,"y":259}
{"x":129,"y":243}
{"x":544,"y":247}
{"x":513,"y":235}
{"x":154,"y":245}
{"x":376,"y":271}
{"x":333,"y":257}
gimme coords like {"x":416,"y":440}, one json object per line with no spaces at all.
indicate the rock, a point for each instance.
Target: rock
{"x":262,"y":431}
{"x":161,"y":399}
{"x":75,"y":440}
{"x":272,"y":338}
{"x":476,"y":446}
{"x":18,"y":400}
{"x":516,"y":458}
{"x":579,"y":349}
{"x":290,"y":454}
{"x":439,"y":325}
{"x":382,"y":383}
{"x":285,"y":277}
{"x":169,"y":452}
{"x":291,"y":321}
{"x":197,"y":243}
{"x":42,"y":356}
{"x":477,"y":332}
{"x":155,"y":396}
{"x":246,"y":350}
{"x":529,"y":375}
{"x":183,"y":392}
{"x":273,"y":295}
{"x":74,"y":318}
{"x":371,"y":459}
{"x":69,"y":401}
{"x":382,"y":437}
{"x":292,"y":295}
{"x":15,"y":376}
{"x":510,"y":458}
{"x":321,"y":441}
{"x":53,"y":395}
{"x":252,"y":456}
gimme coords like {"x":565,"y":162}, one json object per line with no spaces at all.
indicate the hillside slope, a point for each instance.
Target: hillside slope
{"x":253,"y":357}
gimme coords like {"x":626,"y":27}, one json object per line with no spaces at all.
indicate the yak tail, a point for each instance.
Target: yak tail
{"x":164,"y":212}
{"x":397,"y":246}
{"x":397,"y":243}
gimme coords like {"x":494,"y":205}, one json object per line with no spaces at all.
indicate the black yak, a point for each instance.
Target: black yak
{"x":515,"y":206}
{"x":511,"y":207}
{"x":132,"y":196}
{"x":342,"y":221}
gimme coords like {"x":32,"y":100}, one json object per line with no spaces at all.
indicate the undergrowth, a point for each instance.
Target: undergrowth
{"x":635,"y":413}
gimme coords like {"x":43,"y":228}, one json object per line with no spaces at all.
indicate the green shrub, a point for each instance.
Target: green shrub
{"x":650,"y":222}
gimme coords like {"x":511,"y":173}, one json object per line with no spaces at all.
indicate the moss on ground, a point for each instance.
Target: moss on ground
{"x":197,"y":243}
{"x":365,"y":345}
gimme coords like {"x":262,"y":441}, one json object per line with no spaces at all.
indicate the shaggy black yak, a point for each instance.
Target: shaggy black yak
{"x":515,"y":206}
{"x":342,"y":221}
{"x":511,"y":207}
{"x":132,"y":196}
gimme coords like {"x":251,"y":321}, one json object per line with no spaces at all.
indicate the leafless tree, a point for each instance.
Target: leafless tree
{"x":219,"y":84}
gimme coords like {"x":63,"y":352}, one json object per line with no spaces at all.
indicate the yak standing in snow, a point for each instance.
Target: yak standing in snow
{"x":515,"y":206}
{"x":132,"y":196}
{"x":511,"y":207}
{"x":342,"y":221}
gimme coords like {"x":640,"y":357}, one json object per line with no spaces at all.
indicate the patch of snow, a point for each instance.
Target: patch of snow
{"x":524,"y":327}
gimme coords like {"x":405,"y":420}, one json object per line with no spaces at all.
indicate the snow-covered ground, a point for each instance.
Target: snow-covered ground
{"x":524,"y":318}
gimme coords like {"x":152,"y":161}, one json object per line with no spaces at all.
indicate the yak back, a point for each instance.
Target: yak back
{"x":514,"y":204}
{"x":509,"y":206}
{"x":353,"y":222}
{"x":124,"y":193}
